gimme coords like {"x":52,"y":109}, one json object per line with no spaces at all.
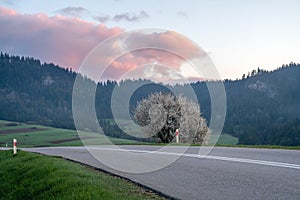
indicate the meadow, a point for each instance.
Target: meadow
{"x":32,"y":135}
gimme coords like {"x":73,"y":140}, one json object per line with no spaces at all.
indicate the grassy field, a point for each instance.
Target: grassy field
{"x":224,"y":139}
{"x":29,"y":135}
{"x":34,"y":176}
{"x":36,"y":135}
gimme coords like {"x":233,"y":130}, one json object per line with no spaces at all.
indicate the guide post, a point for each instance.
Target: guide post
{"x":177,"y":136}
{"x":15,"y":146}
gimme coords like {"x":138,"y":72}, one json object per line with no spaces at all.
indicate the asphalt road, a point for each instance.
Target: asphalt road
{"x":225,"y":173}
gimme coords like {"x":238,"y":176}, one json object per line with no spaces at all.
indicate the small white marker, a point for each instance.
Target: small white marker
{"x":177,"y":136}
{"x":15,"y":146}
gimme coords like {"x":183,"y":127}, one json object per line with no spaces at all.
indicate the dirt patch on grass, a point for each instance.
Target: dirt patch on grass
{"x":9,"y":124}
{"x":22,"y":130}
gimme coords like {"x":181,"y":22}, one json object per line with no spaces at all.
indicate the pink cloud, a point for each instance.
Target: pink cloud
{"x":67,"y":41}
{"x":7,"y":12}
{"x":169,"y":40}
{"x":138,"y":58}
{"x":164,"y":48}
{"x":62,"y":40}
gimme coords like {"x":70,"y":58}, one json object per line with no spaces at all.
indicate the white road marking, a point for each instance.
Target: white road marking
{"x":242,"y":160}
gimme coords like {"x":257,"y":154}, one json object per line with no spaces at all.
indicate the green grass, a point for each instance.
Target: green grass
{"x":262,"y":146}
{"x":50,"y":134}
{"x":224,"y":139}
{"x":34,"y":176}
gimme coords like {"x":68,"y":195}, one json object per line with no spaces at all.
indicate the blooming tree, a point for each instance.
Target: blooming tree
{"x":162,"y":113}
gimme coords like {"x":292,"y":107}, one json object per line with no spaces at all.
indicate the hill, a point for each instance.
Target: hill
{"x":262,"y":108}
{"x":265,"y":107}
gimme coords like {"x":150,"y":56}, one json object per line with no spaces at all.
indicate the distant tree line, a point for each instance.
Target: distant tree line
{"x":262,"y":107}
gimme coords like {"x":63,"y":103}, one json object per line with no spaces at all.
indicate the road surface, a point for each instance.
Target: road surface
{"x":225,"y":173}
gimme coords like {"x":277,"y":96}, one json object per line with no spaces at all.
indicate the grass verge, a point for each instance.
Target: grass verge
{"x":34,"y":176}
{"x":262,"y":146}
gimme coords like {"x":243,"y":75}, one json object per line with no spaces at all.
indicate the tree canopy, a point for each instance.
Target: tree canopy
{"x":162,"y":113}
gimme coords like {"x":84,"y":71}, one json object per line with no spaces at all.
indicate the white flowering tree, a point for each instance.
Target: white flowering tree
{"x":162,"y":113}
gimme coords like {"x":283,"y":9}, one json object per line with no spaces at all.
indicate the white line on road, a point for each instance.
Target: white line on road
{"x":242,"y":160}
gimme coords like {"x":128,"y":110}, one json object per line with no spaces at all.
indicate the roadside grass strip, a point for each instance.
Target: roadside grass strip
{"x":34,"y":176}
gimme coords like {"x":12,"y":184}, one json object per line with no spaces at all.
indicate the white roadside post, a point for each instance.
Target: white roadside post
{"x":177,"y":136}
{"x":15,"y":146}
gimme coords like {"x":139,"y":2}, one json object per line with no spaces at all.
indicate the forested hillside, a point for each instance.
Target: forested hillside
{"x":265,"y":107}
{"x":262,"y":107}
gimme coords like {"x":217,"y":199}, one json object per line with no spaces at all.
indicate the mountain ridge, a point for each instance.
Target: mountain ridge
{"x":262,"y":108}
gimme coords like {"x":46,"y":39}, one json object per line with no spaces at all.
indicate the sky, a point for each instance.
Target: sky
{"x":238,"y":36}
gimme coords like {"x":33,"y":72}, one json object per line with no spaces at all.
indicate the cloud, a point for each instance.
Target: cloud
{"x":62,"y":40}
{"x":182,"y":14}
{"x":72,"y":11}
{"x":8,"y":2}
{"x":170,"y":43}
{"x":130,"y":16}
{"x":102,"y":18}
{"x":168,"y":51}
{"x":67,"y":41}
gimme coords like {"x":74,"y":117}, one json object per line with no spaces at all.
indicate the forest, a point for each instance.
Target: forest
{"x":263,"y":107}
